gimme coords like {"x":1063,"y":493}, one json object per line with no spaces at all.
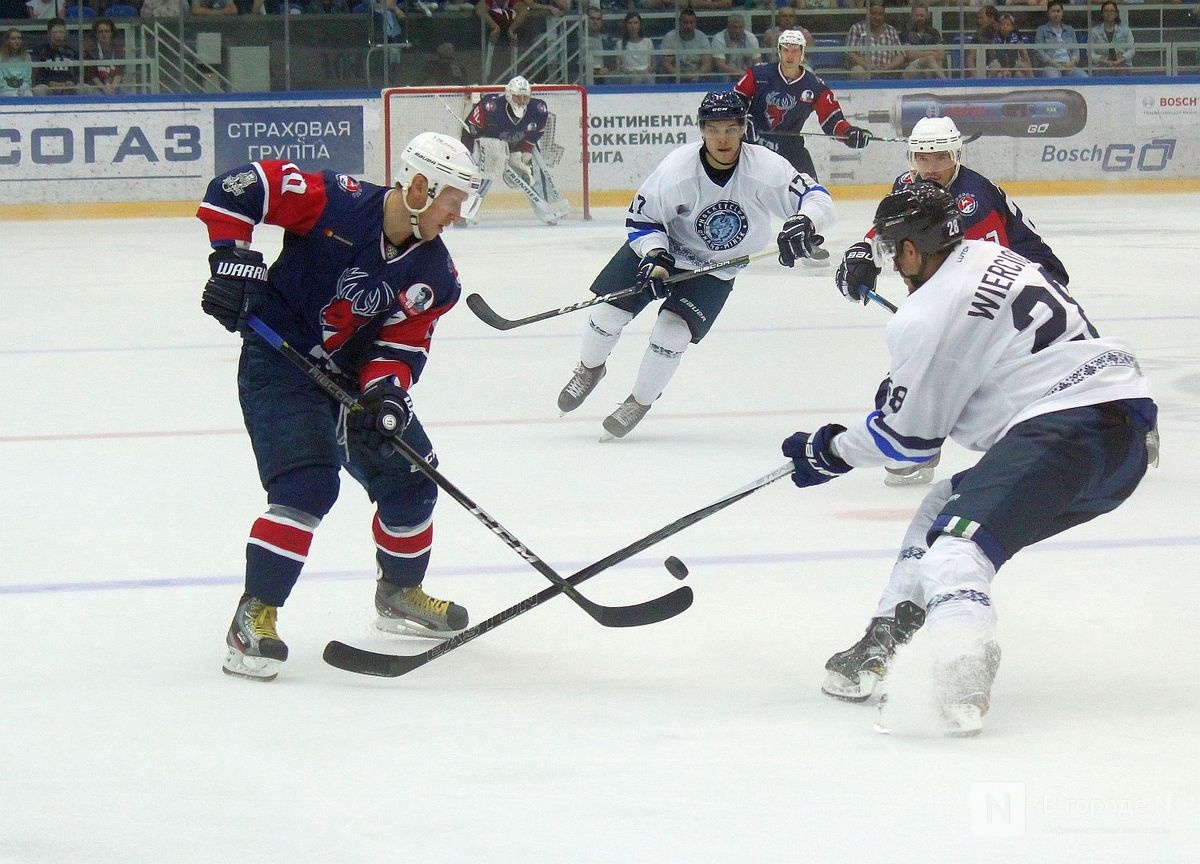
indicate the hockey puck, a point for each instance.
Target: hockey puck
{"x":676,"y":567}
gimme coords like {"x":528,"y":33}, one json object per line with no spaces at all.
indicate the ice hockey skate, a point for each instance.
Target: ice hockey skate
{"x":855,"y":672}
{"x":255,"y":650}
{"x":917,"y":475}
{"x":964,"y":688}
{"x":410,"y":611}
{"x":621,"y":422}
{"x":582,"y":383}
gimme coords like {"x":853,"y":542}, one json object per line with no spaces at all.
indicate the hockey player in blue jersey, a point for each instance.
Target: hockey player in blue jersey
{"x":987,"y":213}
{"x":782,"y":96}
{"x":503,"y":131}
{"x":359,"y":286}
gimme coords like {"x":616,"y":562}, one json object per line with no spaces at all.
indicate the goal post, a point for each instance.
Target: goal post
{"x":409,"y":111}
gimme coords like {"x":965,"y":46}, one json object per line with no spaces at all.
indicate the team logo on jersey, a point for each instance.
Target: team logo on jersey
{"x":237,"y":184}
{"x":779,"y":102}
{"x":722,"y":225}
{"x":349,"y":184}
{"x":417,"y":298}
{"x":967,"y":204}
{"x":354,"y":302}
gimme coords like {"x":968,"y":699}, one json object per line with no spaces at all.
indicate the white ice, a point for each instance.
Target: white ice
{"x":128,"y":489}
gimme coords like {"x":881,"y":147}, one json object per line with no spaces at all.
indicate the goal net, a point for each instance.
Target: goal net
{"x":409,"y":111}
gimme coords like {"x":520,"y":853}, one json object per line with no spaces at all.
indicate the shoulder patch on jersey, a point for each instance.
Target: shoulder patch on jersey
{"x":237,"y":184}
{"x":967,"y":203}
{"x":349,"y":184}
{"x":722,"y":225}
{"x":417,"y":298}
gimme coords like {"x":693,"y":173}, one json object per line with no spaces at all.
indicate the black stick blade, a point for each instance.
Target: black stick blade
{"x":486,"y":314}
{"x":641,"y":614}
{"x":363,"y":662}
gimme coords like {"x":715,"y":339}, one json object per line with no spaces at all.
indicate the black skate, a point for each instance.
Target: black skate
{"x":253,"y":647}
{"x":409,"y":610}
{"x":853,"y":673}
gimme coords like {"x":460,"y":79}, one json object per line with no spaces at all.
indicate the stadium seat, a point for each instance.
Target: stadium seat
{"x":120,"y":10}
{"x":77,"y":11}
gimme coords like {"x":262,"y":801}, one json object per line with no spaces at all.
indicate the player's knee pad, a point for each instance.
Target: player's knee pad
{"x":311,"y":490}
{"x":670,"y":336}
{"x":607,"y":320}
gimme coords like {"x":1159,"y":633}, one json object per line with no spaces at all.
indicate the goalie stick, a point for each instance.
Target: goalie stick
{"x":649,"y":612}
{"x":489,"y":316}
{"x":364,"y":662}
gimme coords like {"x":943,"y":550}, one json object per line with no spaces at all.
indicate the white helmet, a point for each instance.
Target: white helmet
{"x":792,"y":37}
{"x":514,"y":89}
{"x":935,"y":135}
{"x":442,"y":161}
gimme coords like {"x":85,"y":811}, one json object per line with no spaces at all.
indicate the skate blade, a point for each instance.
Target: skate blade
{"x":917,"y":478}
{"x":239,"y":665}
{"x":840,"y":687}
{"x":407,"y":627}
{"x":961,"y":721}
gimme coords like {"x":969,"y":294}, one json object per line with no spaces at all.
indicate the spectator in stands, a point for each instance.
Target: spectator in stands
{"x":921,"y":61}
{"x":987,"y":25}
{"x":327,"y":7}
{"x":688,"y":51}
{"x":1011,"y":59}
{"x":44,"y":10}
{"x":635,"y":65}
{"x":735,"y":49}
{"x":104,"y":77}
{"x":389,"y":22}
{"x":1058,"y":47}
{"x":445,"y":68}
{"x":165,"y":8}
{"x":62,"y":77}
{"x":597,"y":41}
{"x":882,"y":55}
{"x":214,"y":7}
{"x":502,"y":16}
{"x":1110,"y":43}
{"x":785,"y":19}
{"x":16,"y":66}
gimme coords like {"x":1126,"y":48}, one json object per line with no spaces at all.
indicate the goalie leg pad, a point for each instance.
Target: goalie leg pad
{"x":492,"y":156}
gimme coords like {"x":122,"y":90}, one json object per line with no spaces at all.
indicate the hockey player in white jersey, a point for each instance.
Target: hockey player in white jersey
{"x":989,"y":352}
{"x":703,"y":204}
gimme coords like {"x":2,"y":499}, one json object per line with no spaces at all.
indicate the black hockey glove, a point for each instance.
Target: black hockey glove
{"x":857,"y":274}
{"x":654,"y":268}
{"x":385,"y":414}
{"x":236,"y":287}
{"x":857,"y":138}
{"x":815,"y":462}
{"x":797,"y":240}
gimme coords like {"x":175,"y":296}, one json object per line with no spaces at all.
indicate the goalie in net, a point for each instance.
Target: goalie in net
{"x":504,"y":131}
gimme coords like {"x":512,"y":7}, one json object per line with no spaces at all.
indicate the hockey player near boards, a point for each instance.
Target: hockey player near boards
{"x":987,"y":213}
{"x":503,"y":131}
{"x":360,"y":283}
{"x":783,"y":95}
{"x":702,"y":204}
{"x":989,"y":351}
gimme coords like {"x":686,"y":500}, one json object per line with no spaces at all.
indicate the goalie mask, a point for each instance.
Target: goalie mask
{"x":443,"y":161}
{"x":925,"y":214}
{"x":516,"y":94}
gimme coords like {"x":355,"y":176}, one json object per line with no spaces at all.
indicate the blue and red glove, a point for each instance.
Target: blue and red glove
{"x":814,"y":460}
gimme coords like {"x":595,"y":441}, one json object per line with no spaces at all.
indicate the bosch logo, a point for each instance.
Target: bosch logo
{"x":967,"y":204}
{"x":1115,"y":158}
{"x":1177,"y":102}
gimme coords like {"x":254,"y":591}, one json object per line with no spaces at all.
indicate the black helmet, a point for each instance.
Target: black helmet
{"x":722,"y":105}
{"x":924,"y":214}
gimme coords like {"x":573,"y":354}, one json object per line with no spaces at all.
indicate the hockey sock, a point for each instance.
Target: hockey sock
{"x":668,"y":340}
{"x":603,"y":330}
{"x":957,"y":577}
{"x":276,"y":552}
{"x":403,"y":551}
{"x":905,"y":580}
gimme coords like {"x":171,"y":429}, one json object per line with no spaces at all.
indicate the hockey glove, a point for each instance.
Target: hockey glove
{"x":652,"y":271}
{"x":857,"y":274}
{"x":857,"y":138}
{"x":522,"y":163}
{"x":798,"y":239}
{"x":815,"y":462}
{"x":236,"y":287}
{"x":386,"y":413}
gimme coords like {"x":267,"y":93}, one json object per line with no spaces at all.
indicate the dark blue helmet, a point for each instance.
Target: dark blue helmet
{"x":923,"y":213}
{"x":722,"y":105}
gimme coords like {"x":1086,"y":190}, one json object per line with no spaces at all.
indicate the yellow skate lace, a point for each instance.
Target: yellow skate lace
{"x":262,"y":620}
{"x":417,"y":596}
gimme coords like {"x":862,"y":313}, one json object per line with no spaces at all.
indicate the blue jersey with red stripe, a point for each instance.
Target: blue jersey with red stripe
{"x":989,"y":214}
{"x":779,"y":104}
{"x":339,"y":290}
{"x":490,"y":118}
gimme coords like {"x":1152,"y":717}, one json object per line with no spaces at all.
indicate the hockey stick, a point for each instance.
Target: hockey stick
{"x":488,"y":316}
{"x":882,"y":301}
{"x":650,"y":612}
{"x":874,"y":137}
{"x":365,"y":662}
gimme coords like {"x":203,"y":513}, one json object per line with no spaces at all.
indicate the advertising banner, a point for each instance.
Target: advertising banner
{"x":314,"y":137}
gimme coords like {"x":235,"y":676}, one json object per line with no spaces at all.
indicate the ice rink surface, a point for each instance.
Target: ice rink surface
{"x":129,"y":489}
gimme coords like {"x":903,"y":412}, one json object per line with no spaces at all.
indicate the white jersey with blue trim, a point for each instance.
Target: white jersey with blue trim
{"x":680,"y":208}
{"x":984,"y":344}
